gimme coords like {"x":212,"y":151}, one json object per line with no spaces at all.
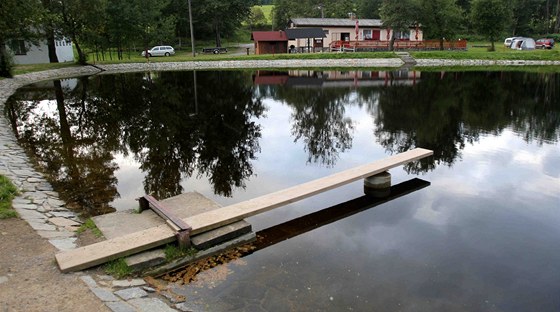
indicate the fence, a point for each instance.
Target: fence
{"x":381,"y":45}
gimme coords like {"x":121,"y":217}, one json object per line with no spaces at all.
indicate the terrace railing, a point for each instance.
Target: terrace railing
{"x":383,"y":45}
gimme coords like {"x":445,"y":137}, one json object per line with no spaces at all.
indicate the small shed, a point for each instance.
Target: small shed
{"x":306,"y":38}
{"x":270,"y":42}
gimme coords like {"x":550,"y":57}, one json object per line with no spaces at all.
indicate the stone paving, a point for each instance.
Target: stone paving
{"x":42,"y":208}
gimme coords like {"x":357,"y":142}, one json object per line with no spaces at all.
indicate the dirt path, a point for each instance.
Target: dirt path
{"x":30,"y":279}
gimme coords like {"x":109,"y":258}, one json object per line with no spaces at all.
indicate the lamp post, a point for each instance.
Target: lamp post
{"x":191,"y":27}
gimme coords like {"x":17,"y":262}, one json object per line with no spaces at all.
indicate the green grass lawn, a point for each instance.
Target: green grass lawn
{"x":186,"y":56}
{"x":23,"y":69}
{"x":7,"y":192}
{"x":476,"y":50}
{"x":479,"y":51}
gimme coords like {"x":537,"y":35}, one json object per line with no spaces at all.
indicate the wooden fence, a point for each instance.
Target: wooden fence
{"x":381,"y":45}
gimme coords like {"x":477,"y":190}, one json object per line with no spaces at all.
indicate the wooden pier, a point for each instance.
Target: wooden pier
{"x":98,"y":253}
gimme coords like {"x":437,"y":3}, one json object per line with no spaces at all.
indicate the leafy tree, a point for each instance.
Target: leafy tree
{"x":19,"y":20}
{"x":79,"y":19}
{"x":490,"y":18}
{"x":121,"y":22}
{"x":49,"y":27}
{"x":152,"y":25}
{"x":398,"y":16}
{"x":440,"y":19}
{"x":368,"y":8}
{"x":557,"y":25}
{"x":284,"y":10}
{"x":256,"y":19}
{"x":222,"y":17}
{"x":337,"y":8}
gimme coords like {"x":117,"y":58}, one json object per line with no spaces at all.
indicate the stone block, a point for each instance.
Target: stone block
{"x":58,"y":221}
{"x":129,"y":283}
{"x":147,"y":259}
{"x":215,"y":237}
{"x":119,"y":306}
{"x":131,"y":293}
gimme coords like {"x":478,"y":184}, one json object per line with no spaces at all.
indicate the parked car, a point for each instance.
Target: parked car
{"x":545,"y":43}
{"x":160,"y":51}
{"x":522,"y":43}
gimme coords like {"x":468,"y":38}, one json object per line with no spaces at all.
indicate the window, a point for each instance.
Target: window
{"x":366,"y":33}
{"x":402,"y":35}
{"x":18,"y":47}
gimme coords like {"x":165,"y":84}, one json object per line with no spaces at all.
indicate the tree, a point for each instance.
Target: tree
{"x":284,"y":10}
{"x":49,"y":26}
{"x":223,"y":17}
{"x":79,"y":19}
{"x":490,"y":18}
{"x":368,"y":8}
{"x":440,"y":19}
{"x":19,"y":20}
{"x":256,"y":19}
{"x":122,"y":21}
{"x":152,"y":25}
{"x":398,"y":16}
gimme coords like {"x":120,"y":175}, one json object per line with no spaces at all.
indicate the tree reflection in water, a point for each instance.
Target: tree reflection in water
{"x":318,"y":120}
{"x":66,"y":144}
{"x":73,"y":132}
{"x":152,"y":116}
{"x":445,"y":111}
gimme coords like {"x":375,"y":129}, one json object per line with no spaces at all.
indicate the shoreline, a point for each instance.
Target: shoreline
{"x":42,"y":208}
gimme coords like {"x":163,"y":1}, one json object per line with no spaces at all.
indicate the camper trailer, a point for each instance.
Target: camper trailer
{"x":522,"y":43}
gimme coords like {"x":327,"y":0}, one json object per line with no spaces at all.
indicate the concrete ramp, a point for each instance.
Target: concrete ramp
{"x":122,"y":223}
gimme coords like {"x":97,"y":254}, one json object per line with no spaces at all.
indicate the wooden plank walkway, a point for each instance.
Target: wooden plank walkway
{"x":98,"y":253}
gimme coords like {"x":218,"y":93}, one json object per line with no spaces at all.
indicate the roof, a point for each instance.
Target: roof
{"x":335,"y":22}
{"x":297,"y":33}
{"x":269,"y":36}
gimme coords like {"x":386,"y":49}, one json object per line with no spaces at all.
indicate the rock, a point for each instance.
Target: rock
{"x":63,"y":222}
{"x":64,"y":243}
{"x":119,"y":306}
{"x":129,"y":283}
{"x":131,"y":293}
{"x":150,"y":305}
{"x":103,"y":294}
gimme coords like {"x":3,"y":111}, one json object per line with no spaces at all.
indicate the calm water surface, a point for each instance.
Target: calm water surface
{"x":480,"y":234}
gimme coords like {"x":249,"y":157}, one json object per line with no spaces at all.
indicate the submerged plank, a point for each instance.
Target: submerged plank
{"x":95,"y":254}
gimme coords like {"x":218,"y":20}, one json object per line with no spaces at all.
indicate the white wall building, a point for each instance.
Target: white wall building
{"x":26,"y":53}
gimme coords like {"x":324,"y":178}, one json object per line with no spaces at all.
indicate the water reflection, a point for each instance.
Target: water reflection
{"x":60,"y":127}
{"x":178,"y":125}
{"x":154,"y":118}
{"x":446,"y":111}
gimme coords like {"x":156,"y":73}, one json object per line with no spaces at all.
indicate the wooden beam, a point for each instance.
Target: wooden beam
{"x":98,"y":253}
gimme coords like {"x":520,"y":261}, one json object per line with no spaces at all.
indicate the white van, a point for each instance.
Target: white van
{"x":522,"y":43}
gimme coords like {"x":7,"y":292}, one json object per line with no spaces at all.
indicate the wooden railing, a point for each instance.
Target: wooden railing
{"x":383,"y":45}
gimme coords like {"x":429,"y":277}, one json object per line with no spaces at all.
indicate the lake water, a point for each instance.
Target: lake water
{"x":479,"y":232}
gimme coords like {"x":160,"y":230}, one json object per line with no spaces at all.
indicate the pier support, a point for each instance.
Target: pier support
{"x":378,"y":185}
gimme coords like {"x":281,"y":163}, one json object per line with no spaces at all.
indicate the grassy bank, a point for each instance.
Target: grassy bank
{"x":24,"y":69}
{"x":7,"y":193}
{"x":479,"y":51}
{"x":476,"y":50}
{"x":183,"y":56}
